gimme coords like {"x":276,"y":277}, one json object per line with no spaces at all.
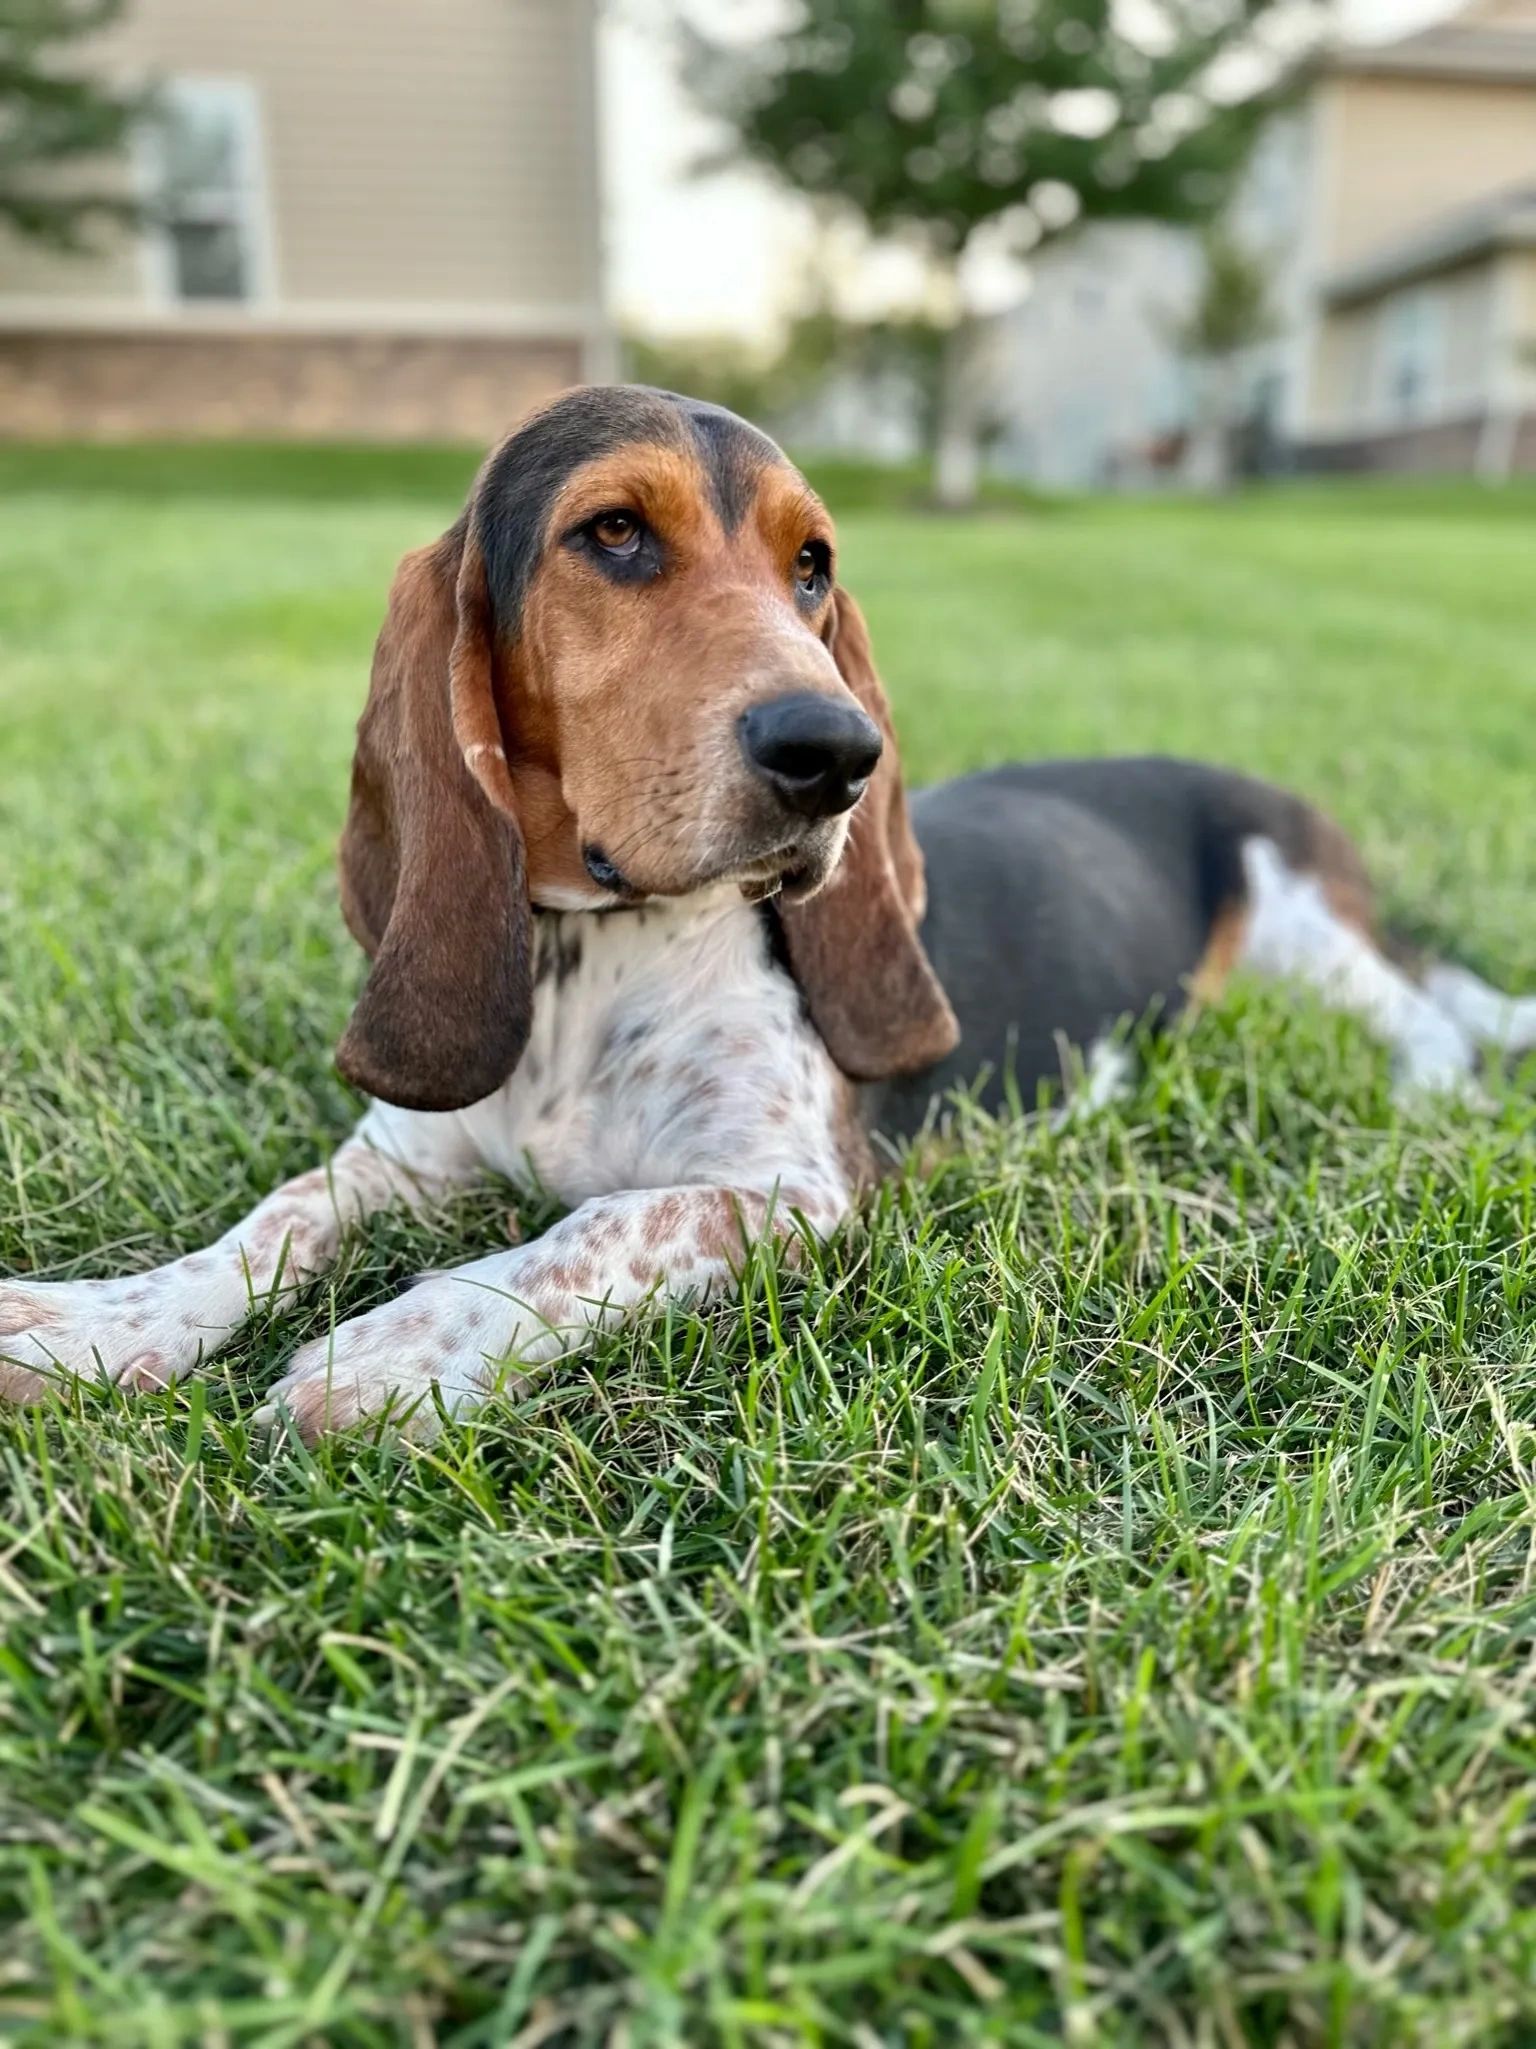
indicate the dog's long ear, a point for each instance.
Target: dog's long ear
{"x":433,"y":881}
{"x":854,"y":948}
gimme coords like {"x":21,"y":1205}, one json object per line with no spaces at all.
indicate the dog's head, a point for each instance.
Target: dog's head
{"x":625,"y":672}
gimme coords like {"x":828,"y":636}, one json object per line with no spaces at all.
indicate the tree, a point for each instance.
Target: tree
{"x":1498,"y":443}
{"x":937,"y":119}
{"x":1231,"y":314}
{"x":56,"y":119}
{"x":772,"y":383}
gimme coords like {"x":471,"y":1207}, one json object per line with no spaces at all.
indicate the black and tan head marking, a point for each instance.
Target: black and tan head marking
{"x":625,"y":672}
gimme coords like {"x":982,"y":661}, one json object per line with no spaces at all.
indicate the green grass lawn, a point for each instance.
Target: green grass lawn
{"x":1096,"y":1605}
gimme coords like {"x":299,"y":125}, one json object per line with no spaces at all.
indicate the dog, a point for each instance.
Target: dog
{"x":653,"y":927}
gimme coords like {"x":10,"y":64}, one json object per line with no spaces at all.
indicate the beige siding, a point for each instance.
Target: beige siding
{"x":1341,"y":382}
{"x":1520,"y":286}
{"x":1404,"y":151}
{"x":1466,"y":299}
{"x":1349,"y":394}
{"x":111,"y":269}
{"x":110,"y":273}
{"x":1522,"y":263}
{"x":1502,"y":14}
{"x":431,"y":154}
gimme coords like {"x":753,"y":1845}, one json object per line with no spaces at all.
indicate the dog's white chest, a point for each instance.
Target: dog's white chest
{"x":665,"y":1048}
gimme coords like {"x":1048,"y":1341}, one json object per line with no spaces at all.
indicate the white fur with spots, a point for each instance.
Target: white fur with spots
{"x":675,"y":1095}
{"x":672,"y":1091}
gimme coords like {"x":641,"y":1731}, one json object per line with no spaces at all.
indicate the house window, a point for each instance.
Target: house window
{"x":208,"y":196}
{"x":1410,"y":371}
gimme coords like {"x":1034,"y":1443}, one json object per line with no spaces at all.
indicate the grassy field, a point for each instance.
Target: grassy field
{"x":1097,"y":1605}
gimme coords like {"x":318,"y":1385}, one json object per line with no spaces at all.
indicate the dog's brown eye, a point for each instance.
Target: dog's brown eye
{"x":808,"y":565}
{"x":618,"y":532}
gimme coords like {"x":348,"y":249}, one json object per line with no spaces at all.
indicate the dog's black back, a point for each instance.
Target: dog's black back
{"x":1065,"y":897}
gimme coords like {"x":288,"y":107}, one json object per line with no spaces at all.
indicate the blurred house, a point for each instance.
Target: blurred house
{"x":1396,"y":210}
{"x":373,"y":218}
{"x":1422,"y":344}
{"x":1094,"y":390}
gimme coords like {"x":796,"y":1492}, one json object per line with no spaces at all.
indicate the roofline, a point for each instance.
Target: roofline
{"x":1465,"y":56}
{"x":1464,"y":239}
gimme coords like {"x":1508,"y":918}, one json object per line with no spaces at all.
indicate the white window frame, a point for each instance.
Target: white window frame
{"x":239,"y":101}
{"x":1423,"y":306}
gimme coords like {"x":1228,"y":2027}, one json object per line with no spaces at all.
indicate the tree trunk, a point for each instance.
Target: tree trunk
{"x":957,"y":437}
{"x":1497,"y":441}
{"x":1208,"y":465}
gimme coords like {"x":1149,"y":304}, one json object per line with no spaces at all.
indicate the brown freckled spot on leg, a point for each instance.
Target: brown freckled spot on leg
{"x":302,"y":1237}
{"x":666,"y":1219}
{"x":313,"y":1182}
{"x":643,"y":1271}
{"x":322,"y":1404}
{"x":724,"y":1226}
{"x":146,"y":1374}
{"x":604,"y":1233}
{"x":567,"y":1277}
{"x":18,"y":1384}
{"x":196,"y":1262}
{"x":267,"y":1235}
{"x":27,"y":1312}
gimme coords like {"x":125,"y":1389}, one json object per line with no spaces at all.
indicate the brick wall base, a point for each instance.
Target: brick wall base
{"x":1450,"y":447}
{"x":121,"y":387}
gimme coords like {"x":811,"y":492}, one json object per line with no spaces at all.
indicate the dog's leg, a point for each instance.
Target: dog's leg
{"x":1505,"y":1024}
{"x":1293,"y":930}
{"x":538,"y":1302}
{"x":147,"y":1329}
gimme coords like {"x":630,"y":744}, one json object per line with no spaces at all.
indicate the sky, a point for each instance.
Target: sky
{"x":725,"y":254}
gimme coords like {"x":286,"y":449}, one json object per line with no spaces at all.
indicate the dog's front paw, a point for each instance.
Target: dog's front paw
{"x":384,"y":1365}
{"x":142,"y":1331}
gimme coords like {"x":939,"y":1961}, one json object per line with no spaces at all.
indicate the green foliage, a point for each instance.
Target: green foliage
{"x":1232,"y":310}
{"x":1094,"y":1603}
{"x":57,"y":120}
{"x":722,"y":368}
{"x":936,"y":116}
{"x":768,"y":384}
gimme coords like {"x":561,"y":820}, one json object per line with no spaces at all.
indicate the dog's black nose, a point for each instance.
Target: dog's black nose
{"x":814,"y":752}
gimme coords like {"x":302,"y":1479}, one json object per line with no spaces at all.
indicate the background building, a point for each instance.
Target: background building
{"x":1395,"y":212}
{"x":374,"y":218}
{"x":1422,"y":351}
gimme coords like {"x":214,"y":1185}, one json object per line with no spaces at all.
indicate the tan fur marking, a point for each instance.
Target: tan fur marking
{"x":1223,"y":949}
{"x":1332,"y":856}
{"x":620,"y":699}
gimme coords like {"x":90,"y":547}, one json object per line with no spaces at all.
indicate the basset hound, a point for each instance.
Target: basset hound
{"x":653,"y":928}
